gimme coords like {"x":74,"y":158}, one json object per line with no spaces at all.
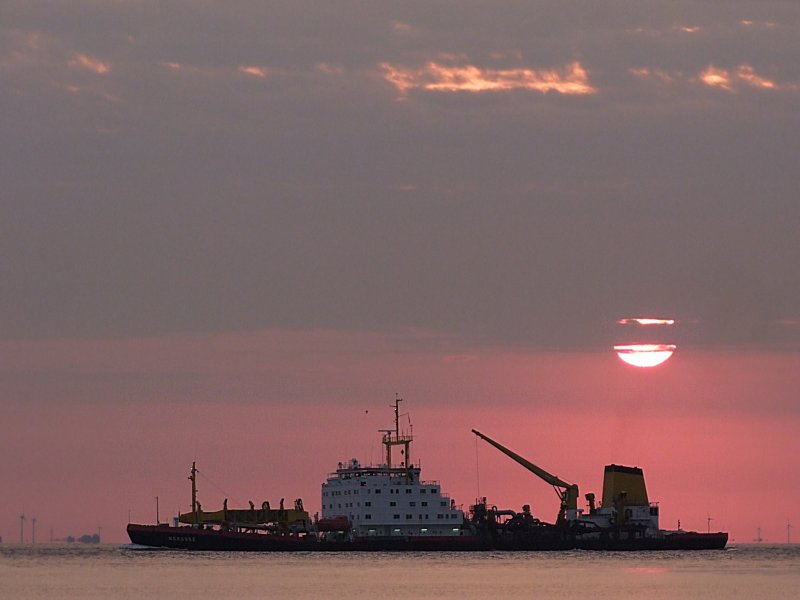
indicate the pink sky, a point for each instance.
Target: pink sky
{"x":93,"y":429}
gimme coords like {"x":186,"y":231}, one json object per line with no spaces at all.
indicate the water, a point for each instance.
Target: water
{"x":79,"y":571}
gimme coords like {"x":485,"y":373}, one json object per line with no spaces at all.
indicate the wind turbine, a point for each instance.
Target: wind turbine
{"x":22,"y":528}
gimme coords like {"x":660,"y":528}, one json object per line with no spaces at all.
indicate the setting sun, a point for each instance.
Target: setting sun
{"x":645,"y":355}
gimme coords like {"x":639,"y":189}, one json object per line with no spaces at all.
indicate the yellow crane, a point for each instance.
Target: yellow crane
{"x":567,"y":492}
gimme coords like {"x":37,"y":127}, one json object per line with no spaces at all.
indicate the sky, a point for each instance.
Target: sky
{"x":232,"y":232}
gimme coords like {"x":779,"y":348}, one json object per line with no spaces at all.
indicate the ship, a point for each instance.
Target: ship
{"x":390,"y":507}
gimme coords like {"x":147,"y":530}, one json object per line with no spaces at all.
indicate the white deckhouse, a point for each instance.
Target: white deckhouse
{"x":390,"y":499}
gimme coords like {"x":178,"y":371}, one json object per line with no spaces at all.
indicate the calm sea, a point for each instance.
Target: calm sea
{"x":79,"y":571}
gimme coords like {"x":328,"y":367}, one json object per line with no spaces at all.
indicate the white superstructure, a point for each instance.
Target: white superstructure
{"x":390,"y":499}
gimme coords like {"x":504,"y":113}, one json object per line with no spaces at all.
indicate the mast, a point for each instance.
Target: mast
{"x":392,"y":437}
{"x":193,"y":479}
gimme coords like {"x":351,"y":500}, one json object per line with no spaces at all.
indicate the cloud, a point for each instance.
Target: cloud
{"x":712,"y":76}
{"x":660,"y":75}
{"x":763,"y":24}
{"x":252,"y":70}
{"x":89,"y":63}
{"x":748,"y":75}
{"x":645,"y":321}
{"x":743,"y":75}
{"x":438,"y":77}
{"x":401,"y":27}
{"x":330,"y":69}
{"x":92,"y":91}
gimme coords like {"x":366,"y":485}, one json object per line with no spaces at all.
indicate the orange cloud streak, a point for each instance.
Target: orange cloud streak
{"x":747,"y":74}
{"x":252,"y":70}
{"x":714,"y":77}
{"x":744,"y":74}
{"x":438,"y":77}
{"x":726,"y":79}
{"x":84,"y":61}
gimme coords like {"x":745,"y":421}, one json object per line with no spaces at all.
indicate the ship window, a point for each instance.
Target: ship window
{"x":367,"y":516}
{"x":408,"y":490}
{"x":355,"y":492}
{"x":444,"y":503}
{"x":395,"y":516}
{"x":392,"y":503}
{"x":654,"y":511}
{"x":367,"y":503}
{"x":422,"y":491}
{"x":377,"y":491}
{"x":408,"y":516}
{"x":433,"y":490}
{"x":412,"y":503}
{"x":439,"y":516}
{"x":424,"y":503}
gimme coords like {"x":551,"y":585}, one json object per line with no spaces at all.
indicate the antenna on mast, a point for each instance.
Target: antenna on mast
{"x":397,"y":401}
